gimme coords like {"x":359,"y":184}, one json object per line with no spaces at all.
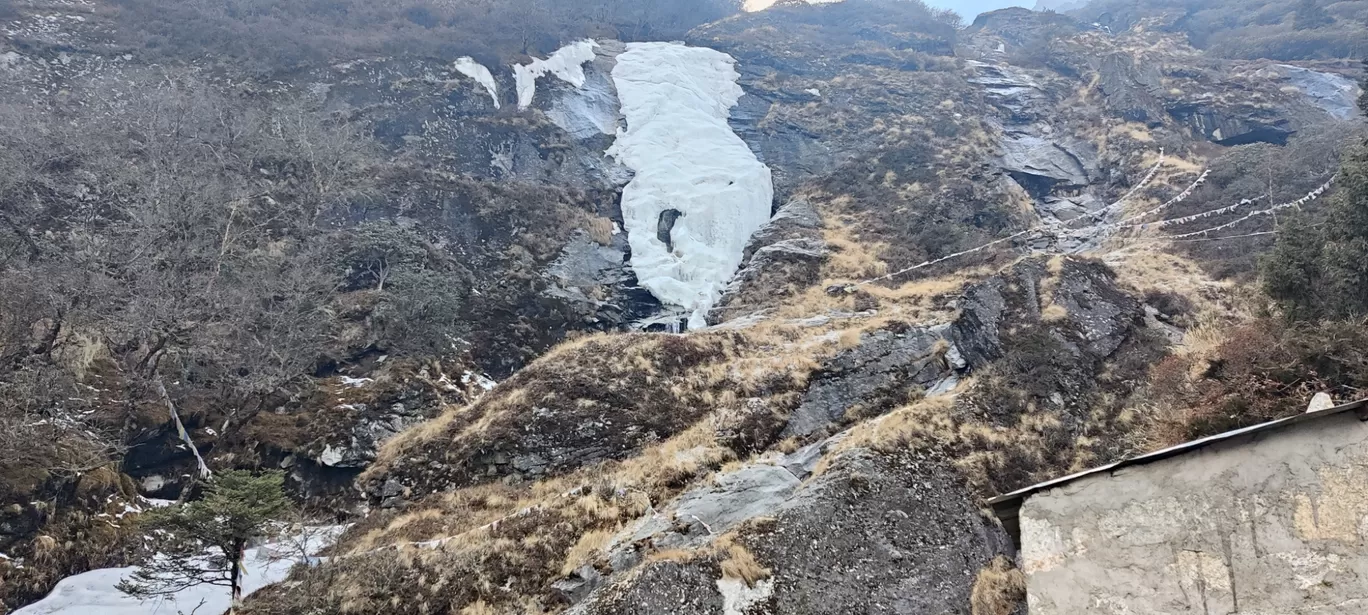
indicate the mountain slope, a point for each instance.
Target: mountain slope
{"x":967,"y":285}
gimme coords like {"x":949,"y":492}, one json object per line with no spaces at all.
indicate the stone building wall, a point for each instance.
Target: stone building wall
{"x":1270,"y":523}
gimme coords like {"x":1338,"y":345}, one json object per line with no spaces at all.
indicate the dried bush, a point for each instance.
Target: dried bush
{"x":999,"y":589}
{"x":1262,"y":371}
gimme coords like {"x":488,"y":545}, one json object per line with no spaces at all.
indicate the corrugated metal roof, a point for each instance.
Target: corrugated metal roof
{"x":1006,"y":506}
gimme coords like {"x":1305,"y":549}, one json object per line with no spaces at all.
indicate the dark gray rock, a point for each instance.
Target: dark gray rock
{"x":736,"y":496}
{"x":977,"y":330}
{"x":1098,"y":316}
{"x":876,"y":375}
{"x":786,"y":253}
{"x":1065,"y":209}
{"x":1011,"y":89}
{"x":877,"y":533}
{"x":596,"y":283}
{"x":660,"y":588}
{"x":802,"y":462}
{"x":1129,"y":89}
{"x":874,"y":533}
{"x":1335,"y":94}
{"x":1046,"y":161}
{"x":1033,"y":151}
{"x":576,"y":587}
{"x":1238,"y":125}
{"x":585,"y":262}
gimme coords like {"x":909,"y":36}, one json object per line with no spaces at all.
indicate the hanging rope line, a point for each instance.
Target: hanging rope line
{"x":947,"y":257}
{"x":1149,"y":176}
{"x":1259,"y":234}
{"x":1182,"y":196}
{"x":1131,"y":222}
{"x":1307,"y":198}
{"x":180,"y":431}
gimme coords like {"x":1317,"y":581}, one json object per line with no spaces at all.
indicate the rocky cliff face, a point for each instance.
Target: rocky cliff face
{"x":950,"y":300}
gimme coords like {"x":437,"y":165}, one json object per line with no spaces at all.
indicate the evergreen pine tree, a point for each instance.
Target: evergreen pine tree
{"x":1315,"y":273}
{"x":1363,"y":95}
{"x":1345,"y":257}
{"x":203,"y":542}
{"x":1292,"y":271}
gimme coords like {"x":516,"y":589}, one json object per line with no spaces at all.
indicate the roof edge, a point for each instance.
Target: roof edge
{"x":1005,"y":506}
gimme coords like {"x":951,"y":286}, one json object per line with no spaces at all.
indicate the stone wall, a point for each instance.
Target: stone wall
{"x":1274,"y":522}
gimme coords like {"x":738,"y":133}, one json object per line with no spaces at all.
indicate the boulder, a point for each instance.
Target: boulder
{"x":1039,"y":162}
{"x":1093,"y":316}
{"x":736,"y":496}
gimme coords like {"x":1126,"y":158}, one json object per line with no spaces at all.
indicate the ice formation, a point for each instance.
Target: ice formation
{"x":94,"y":592}
{"x":676,"y":100}
{"x":470,"y":68}
{"x":566,"y":63}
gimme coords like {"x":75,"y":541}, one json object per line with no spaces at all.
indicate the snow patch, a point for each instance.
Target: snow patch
{"x":760,"y":5}
{"x":480,"y":380}
{"x":94,"y":592}
{"x":153,"y":483}
{"x":330,"y":456}
{"x":738,"y":598}
{"x":469,"y":67}
{"x":1335,"y":94}
{"x":567,"y":63}
{"x":356,"y":382}
{"x":676,"y":100}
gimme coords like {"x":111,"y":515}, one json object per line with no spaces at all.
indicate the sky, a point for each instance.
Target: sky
{"x":969,"y":9}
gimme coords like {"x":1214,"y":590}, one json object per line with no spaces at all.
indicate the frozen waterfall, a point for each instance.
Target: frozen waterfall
{"x":699,"y":192}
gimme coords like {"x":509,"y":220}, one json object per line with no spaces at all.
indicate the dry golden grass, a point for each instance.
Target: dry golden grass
{"x":600,"y":230}
{"x":851,"y":257}
{"x":479,"y":608}
{"x":1054,"y":313}
{"x":998,"y":589}
{"x":1134,"y":131}
{"x":918,"y":422}
{"x":740,"y":564}
{"x":1219,"y":304}
{"x":590,"y":546}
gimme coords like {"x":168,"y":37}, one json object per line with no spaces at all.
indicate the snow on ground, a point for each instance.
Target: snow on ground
{"x":760,"y":5}
{"x":676,"y":100}
{"x":94,"y":592}
{"x":567,"y":63}
{"x":470,"y":68}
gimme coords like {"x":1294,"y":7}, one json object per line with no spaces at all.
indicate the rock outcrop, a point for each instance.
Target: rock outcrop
{"x":883,"y":371}
{"x":873,"y":532}
{"x":782,"y":257}
{"x":586,"y":403}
